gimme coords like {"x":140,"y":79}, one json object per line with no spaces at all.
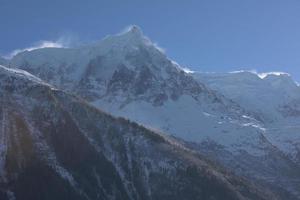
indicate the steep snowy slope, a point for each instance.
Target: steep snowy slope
{"x":55,"y":146}
{"x":128,"y":76}
{"x":269,"y":96}
{"x":272,"y":97}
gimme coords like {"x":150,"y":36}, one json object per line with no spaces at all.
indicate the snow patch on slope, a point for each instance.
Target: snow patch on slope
{"x":187,"y":120}
{"x":274,"y":97}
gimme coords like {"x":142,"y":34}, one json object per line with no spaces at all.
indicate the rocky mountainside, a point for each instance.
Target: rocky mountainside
{"x":56,"y":146}
{"x":127,"y":75}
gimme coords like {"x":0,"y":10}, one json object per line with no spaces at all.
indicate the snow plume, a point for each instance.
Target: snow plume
{"x":162,"y":50}
{"x":39,"y":45}
{"x":253,"y":71}
{"x":60,"y":43}
{"x":130,"y":28}
{"x":187,"y":70}
{"x":264,"y":75}
{"x":138,"y":31}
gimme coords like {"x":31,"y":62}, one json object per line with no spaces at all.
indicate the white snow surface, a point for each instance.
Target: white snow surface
{"x":186,"y":119}
{"x":272,"y":97}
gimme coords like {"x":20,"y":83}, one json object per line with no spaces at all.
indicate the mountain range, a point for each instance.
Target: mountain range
{"x":240,"y":121}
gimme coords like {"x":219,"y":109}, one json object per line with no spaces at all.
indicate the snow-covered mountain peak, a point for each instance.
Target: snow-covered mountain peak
{"x":128,"y":63}
{"x":280,"y":80}
{"x":134,"y":30}
{"x":131,"y":33}
{"x":132,"y":37}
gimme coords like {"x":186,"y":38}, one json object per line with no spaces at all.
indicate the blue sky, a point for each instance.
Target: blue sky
{"x":205,"y":35}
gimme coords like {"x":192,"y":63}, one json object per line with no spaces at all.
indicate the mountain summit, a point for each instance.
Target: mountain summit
{"x":135,"y":31}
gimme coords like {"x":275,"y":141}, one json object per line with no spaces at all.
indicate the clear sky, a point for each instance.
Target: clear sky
{"x":205,"y":35}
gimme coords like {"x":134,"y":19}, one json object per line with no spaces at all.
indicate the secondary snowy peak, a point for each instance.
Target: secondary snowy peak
{"x":266,"y":96}
{"x":273,"y":97}
{"x":278,"y":78}
{"x":243,"y":82}
{"x":282,"y":80}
